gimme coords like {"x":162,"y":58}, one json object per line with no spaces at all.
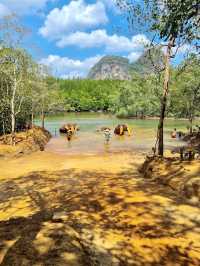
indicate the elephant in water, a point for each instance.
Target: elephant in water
{"x":69,"y":130}
{"x":120,"y":130}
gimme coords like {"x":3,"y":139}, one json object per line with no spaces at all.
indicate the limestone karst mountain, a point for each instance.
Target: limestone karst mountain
{"x":111,"y":67}
{"x":119,"y":68}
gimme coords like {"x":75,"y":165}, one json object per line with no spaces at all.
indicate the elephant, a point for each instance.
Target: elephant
{"x":120,"y":130}
{"x":69,"y":129}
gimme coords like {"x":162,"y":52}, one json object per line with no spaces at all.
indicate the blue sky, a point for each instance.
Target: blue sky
{"x":70,"y":36}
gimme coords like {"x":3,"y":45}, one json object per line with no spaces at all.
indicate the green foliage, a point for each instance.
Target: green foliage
{"x":185,"y":94}
{"x":170,"y":19}
{"x":88,"y":95}
{"x":138,"y":98}
{"x":25,"y":90}
{"x":15,"y":68}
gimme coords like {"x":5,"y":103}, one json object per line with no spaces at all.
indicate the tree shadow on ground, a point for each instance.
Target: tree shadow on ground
{"x":95,"y":218}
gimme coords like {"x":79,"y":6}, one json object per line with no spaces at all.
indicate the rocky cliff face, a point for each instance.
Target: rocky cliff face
{"x":119,"y":68}
{"x":111,"y":67}
{"x":147,"y":62}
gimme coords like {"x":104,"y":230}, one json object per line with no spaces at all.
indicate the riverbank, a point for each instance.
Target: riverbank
{"x":91,"y":210}
{"x":25,"y":142}
{"x":182,"y":177}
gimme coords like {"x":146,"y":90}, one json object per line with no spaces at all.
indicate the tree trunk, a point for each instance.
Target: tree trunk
{"x":3,"y":126}
{"x":13,"y":124}
{"x":43,"y":118}
{"x":164,"y":98}
{"x":32,"y":119}
{"x":13,"y":112}
{"x":191,"y":125}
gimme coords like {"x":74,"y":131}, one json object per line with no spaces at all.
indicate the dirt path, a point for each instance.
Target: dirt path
{"x":91,"y":210}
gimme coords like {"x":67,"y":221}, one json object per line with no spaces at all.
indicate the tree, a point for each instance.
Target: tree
{"x":4,"y":103}
{"x":25,"y":87}
{"x":185,"y":94}
{"x":15,"y":66}
{"x":87,"y":95}
{"x":174,"y":22}
{"x":137,"y":98}
{"x":46,"y":93}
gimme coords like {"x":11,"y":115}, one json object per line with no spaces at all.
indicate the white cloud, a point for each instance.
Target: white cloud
{"x":68,"y":68}
{"x":24,"y":6}
{"x":134,"y":56}
{"x":77,"y":15}
{"x":4,"y":11}
{"x":100,"y":38}
{"x":179,"y":50}
{"x":111,"y":4}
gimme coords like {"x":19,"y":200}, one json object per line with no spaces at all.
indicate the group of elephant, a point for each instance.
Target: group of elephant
{"x":71,"y":129}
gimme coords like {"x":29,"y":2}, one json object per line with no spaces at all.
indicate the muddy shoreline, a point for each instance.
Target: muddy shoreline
{"x":26,"y":142}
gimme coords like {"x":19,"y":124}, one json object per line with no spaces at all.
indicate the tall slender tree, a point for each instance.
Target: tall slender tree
{"x":15,"y":65}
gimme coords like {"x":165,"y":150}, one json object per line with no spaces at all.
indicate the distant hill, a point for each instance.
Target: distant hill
{"x":119,"y":68}
{"x":111,"y":67}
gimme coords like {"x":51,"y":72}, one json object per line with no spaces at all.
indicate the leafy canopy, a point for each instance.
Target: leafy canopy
{"x":175,"y":19}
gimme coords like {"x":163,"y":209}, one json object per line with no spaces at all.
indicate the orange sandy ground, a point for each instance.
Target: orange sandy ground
{"x":91,"y":210}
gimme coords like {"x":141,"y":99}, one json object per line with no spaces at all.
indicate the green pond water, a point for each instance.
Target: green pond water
{"x":89,"y":141}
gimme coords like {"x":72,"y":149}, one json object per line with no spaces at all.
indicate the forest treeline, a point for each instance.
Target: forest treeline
{"x":139,"y":97}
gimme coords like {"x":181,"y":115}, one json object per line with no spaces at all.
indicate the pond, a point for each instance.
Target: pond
{"x":89,"y":141}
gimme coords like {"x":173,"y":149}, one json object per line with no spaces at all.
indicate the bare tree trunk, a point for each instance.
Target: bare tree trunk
{"x":13,"y":111}
{"x":13,"y":124}
{"x":43,"y":118}
{"x":164,"y":98}
{"x":4,"y":132}
{"x":32,"y":119}
{"x":191,"y":125}
{"x":3,"y":125}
